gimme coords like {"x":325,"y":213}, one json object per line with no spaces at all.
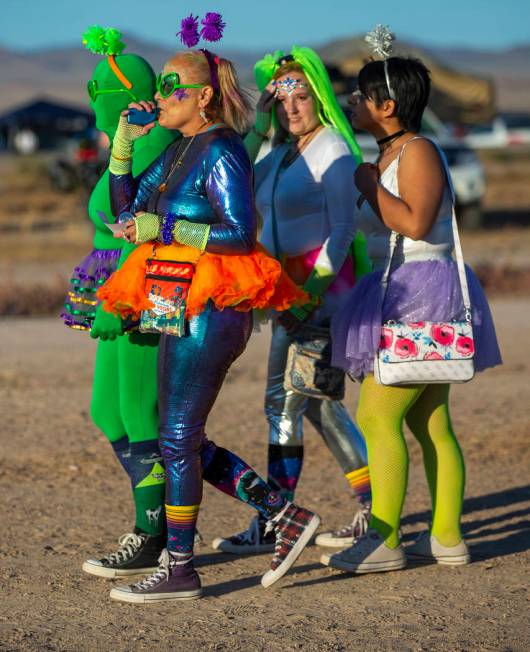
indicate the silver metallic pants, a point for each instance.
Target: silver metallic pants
{"x":284,"y":410}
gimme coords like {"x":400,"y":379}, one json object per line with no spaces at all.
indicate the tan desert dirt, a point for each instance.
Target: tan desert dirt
{"x":65,"y":498}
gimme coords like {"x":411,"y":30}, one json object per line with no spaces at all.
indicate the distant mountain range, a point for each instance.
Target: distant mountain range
{"x":61,"y":73}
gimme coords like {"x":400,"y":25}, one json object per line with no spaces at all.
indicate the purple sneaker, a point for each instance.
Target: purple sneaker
{"x":175,"y":579}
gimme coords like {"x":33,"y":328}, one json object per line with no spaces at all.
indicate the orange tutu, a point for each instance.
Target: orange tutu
{"x":256,"y":280}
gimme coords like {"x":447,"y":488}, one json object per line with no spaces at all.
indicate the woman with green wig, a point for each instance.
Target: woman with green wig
{"x":306,"y":196}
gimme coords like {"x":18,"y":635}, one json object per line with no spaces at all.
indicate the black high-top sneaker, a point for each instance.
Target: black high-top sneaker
{"x":138,"y":554}
{"x":251,"y":541}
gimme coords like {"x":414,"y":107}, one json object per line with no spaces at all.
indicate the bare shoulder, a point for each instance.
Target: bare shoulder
{"x":421,"y":163}
{"x":421,"y":151}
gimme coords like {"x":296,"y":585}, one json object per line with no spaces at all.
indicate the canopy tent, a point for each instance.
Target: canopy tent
{"x":49,"y":121}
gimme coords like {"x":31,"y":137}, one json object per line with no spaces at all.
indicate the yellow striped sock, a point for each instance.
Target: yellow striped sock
{"x":359,"y":481}
{"x":181,"y":515}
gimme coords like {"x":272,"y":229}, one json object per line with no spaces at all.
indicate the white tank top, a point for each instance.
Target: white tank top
{"x":438,"y":243}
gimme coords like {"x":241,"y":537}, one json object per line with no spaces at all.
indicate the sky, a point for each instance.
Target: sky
{"x":490,"y":24}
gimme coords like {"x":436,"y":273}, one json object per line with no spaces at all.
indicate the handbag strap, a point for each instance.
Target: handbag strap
{"x":396,"y":237}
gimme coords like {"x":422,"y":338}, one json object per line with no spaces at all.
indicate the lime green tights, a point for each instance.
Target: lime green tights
{"x":425,"y":408}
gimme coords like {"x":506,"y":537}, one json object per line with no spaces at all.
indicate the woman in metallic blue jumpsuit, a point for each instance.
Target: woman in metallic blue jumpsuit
{"x":200,"y":189}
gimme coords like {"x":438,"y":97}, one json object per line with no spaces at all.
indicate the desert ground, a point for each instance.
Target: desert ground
{"x":65,"y":498}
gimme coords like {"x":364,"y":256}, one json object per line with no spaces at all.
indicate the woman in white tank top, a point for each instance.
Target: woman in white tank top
{"x":409,"y":191}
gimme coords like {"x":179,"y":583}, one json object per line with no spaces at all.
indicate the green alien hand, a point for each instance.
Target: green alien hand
{"x":106,"y":326}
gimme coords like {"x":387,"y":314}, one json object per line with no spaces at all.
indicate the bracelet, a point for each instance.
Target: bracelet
{"x":166,"y":232}
{"x":258,"y":133}
{"x":121,"y":158}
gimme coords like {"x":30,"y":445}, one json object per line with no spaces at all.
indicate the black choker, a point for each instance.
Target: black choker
{"x":387,"y":139}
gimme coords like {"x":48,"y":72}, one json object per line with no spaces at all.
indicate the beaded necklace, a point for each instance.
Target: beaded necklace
{"x":177,"y":162}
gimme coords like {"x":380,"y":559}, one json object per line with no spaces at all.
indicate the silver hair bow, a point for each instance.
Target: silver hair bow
{"x":380,"y":40}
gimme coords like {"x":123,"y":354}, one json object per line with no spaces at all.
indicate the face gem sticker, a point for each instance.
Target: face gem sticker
{"x":289,"y":85}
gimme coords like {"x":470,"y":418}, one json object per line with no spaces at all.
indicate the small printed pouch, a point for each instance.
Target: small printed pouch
{"x":167,"y":285}
{"x":308,"y":370}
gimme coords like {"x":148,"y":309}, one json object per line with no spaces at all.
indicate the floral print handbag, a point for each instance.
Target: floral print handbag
{"x":426,"y":352}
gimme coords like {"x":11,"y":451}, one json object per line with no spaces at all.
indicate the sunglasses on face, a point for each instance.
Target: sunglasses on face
{"x":167,"y":84}
{"x":94,"y":91}
{"x":358,"y":96}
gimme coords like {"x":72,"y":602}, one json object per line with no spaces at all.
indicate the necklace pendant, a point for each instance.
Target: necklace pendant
{"x":162,"y":187}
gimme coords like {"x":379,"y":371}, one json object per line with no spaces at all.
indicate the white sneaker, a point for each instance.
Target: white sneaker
{"x":427,"y":549}
{"x":369,"y":554}
{"x":347,"y":535}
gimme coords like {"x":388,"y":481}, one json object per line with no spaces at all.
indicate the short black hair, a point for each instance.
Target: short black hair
{"x":410,"y":82}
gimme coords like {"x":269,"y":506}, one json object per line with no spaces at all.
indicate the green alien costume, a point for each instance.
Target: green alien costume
{"x":124,"y":399}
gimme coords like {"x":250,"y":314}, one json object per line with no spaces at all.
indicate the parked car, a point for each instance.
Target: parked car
{"x":507,"y":129}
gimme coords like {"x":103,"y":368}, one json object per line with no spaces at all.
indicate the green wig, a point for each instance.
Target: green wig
{"x":329,"y":110}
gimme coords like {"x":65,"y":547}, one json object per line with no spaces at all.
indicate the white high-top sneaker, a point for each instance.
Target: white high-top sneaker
{"x":369,"y":554}
{"x":427,"y":549}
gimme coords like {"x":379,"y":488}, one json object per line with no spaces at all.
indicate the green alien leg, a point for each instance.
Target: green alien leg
{"x":137,"y":357}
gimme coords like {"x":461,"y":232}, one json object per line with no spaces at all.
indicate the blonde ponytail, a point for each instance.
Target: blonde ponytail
{"x":234,"y":102}
{"x":230,"y":103}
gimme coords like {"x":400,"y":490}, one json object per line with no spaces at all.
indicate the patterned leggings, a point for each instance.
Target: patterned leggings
{"x":191,"y":372}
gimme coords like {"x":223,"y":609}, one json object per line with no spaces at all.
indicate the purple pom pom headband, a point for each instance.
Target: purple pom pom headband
{"x":212,"y":30}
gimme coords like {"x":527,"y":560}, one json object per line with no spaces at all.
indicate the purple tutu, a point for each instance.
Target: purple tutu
{"x":417,"y":291}
{"x":81,"y":301}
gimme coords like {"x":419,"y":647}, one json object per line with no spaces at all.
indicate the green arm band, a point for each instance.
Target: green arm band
{"x":316,"y":284}
{"x":319,"y":280}
{"x":122,"y":147}
{"x":191,"y":234}
{"x":147,"y":227}
{"x":302,"y":312}
{"x":363,"y":264}
{"x":257,"y":134}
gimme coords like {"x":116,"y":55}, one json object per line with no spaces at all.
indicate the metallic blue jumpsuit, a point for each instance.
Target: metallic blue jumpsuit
{"x":213,"y":185}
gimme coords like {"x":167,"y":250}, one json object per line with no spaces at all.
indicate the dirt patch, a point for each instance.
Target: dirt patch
{"x":64,"y":498}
